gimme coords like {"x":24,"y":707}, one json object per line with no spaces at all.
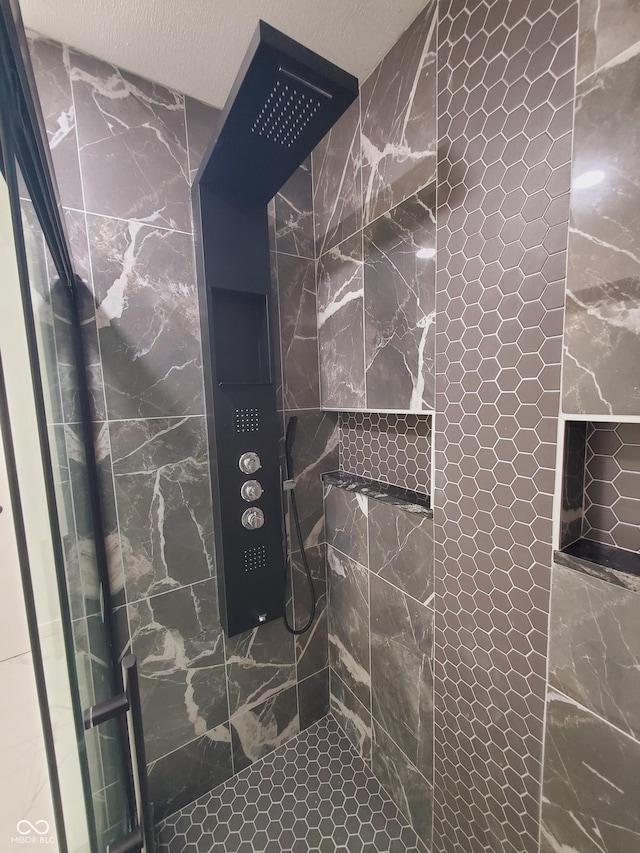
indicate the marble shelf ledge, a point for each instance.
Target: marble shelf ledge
{"x":615,"y":565}
{"x":396,"y":495}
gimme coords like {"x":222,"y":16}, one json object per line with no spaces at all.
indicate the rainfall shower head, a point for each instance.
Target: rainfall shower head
{"x":284,"y":100}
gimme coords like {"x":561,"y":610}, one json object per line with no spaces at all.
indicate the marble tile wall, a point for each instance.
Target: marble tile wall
{"x":602,"y":336}
{"x":592,"y":745}
{"x":380,"y":568}
{"x":126,"y":151}
{"x":374,"y":197}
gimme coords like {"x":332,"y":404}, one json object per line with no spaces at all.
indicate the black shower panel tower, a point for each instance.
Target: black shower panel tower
{"x":284,"y":101}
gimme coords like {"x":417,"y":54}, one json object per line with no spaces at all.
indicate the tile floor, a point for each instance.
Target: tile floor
{"x":312,"y":793}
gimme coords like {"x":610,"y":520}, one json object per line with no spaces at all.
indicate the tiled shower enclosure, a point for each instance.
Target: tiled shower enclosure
{"x":455,"y":325}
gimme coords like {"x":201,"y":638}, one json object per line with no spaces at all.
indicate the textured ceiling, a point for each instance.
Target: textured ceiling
{"x":196,"y":46}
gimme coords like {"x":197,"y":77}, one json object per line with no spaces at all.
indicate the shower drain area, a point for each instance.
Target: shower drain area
{"x":313,"y":793}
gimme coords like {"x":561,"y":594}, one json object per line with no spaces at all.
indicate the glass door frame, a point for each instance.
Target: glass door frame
{"x":23,"y":148}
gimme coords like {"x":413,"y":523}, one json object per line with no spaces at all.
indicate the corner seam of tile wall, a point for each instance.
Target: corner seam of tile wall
{"x":560,"y":445}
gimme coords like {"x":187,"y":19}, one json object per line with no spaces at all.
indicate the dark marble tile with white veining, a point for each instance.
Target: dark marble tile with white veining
{"x":258,"y":730}
{"x":340,"y":325}
{"x":617,"y":567}
{"x":133,"y":147}
{"x":590,"y":767}
{"x":260,"y":664}
{"x":606,"y":31}
{"x":413,"y":502}
{"x":594,"y":646}
{"x":399,"y":301}
{"x":352,"y":715}
{"x":313,"y":698}
{"x":178,"y":642}
{"x":401,"y":674}
{"x":572,"y":512}
{"x":39,"y":265}
{"x":399,"y":119}
{"x":202,"y":125}
{"x":185,"y":774}
{"x":298,"y":332}
{"x":337,"y":182}
{"x":75,"y":222}
{"x":563,"y":830}
{"x":164,"y":503}
{"x":102,"y":450}
{"x":349,"y":623}
{"x":148,"y":319}
{"x":312,"y":647}
{"x":345,"y":518}
{"x":315,"y":452}
{"x":401,"y":548}
{"x":294,"y":214}
{"x":51,"y":68}
{"x":602,"y":336}
{"x":409,"y":789}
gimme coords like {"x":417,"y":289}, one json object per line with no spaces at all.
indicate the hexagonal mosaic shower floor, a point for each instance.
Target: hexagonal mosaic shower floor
{"x":313,"y":793}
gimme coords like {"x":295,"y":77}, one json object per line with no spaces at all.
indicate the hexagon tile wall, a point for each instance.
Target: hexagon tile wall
{"x":505,"y":113}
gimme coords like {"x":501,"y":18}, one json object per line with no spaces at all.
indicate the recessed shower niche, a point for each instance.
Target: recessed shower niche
{"x":600,"y":519}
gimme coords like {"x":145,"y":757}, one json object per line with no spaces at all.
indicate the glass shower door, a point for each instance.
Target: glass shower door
{"x":90,"y":646}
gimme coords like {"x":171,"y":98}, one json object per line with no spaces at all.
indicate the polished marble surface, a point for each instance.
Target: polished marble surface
{"x":133,"y":146}
{"x":607,"y":30}
{"x":399,"y":304}
{"x":602,"y":336}
{"x":349,"y":623}
{"x":341,"y":325}
{"x":412,"y":502}
{"x":594,"y":646}
{"x":410,"y":790}
{"x":401,"y":671}
{"x":591,"y":768}
{"x":51,"y":62}
{"x":345,"y":517}
{"x":352,"y":715}
{"x":401,"y":548}
{"x":148,"y":320}
{"x":298,"y":331}
{"x":618,"y":567}
{"x":178,"y":642}
{"x":260,"y":664}
{"x":294,"y":214}
{"x":399,"y":119}
{"x":337,"y":182}
{"x":162,"y":491}
{"x":257,"y":730}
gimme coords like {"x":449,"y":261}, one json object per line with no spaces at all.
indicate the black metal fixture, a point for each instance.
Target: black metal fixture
{"x":284,"y":101}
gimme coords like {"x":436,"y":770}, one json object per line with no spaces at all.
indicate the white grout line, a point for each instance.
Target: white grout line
{"x":143,"y":222}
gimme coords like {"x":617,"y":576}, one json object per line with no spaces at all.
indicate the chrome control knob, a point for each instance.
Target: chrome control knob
{"x":249,"y":463}
{"x":252,"y":518}
{"x":251,"y":491}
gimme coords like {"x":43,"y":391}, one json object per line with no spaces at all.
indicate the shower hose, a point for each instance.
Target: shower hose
{"x":288,"y":453}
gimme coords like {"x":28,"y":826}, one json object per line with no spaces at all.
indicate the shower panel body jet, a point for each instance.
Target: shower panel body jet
{"x":284,"y":101}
